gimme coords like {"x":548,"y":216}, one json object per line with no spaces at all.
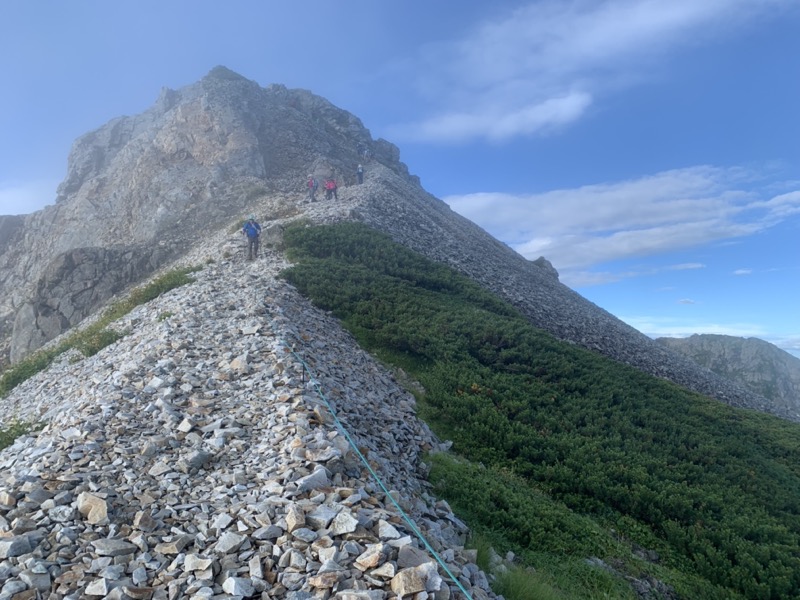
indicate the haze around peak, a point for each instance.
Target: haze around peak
{"x":647,"y":148}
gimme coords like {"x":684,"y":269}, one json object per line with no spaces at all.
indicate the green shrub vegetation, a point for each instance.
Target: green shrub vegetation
{"x":93,"y":338}
{"x":609,"y":459}
{"x":12,"y":431}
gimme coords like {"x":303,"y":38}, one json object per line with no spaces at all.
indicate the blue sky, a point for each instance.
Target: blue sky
{"x":650,"y":149}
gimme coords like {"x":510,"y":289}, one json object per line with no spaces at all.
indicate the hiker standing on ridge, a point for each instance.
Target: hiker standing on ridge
{"x":313,"y":184}
{"x":360,"y":174}
{"x":252,"y":230}
{"x":330,"y":188}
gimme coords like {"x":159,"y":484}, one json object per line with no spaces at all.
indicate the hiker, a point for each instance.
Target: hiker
{"x":330,"y":188}
{"x":360,"y":174}
{"x":252,"y":230}
{"x":313,"y":184}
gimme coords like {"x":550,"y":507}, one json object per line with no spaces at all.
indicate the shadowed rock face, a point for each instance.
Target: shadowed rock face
{"x":73,"y":286}
{"x":9,"y":225}
{"x":757,"y":365}
{"x":206,"y":155}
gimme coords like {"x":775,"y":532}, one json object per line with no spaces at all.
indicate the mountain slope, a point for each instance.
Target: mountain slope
{"x":194,"y":457}
{"x":707,"y":489}
{"x":755,"y":364}
{"x":149,"y":186}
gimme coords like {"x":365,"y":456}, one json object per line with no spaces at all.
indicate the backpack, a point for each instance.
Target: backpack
{"x":251,"y":229}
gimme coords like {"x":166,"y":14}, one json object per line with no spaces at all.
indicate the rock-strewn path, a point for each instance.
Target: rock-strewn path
{"x":194,"y":459}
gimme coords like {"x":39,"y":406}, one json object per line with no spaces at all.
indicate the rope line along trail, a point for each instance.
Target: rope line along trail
{"x":403,"y":514}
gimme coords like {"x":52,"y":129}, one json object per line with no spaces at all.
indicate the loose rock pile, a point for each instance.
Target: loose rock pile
{"x":196,"y":459}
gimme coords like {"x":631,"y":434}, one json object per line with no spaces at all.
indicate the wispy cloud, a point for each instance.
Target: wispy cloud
{"x":686,"y":267}
{"x":743,"y":272}
{"x":591,"y":225}
{"x":686,"y":301}
{"x":578,"y":278}
{"x":542,"y":65}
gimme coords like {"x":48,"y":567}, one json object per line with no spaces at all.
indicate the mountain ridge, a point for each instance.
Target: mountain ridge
{"x":197,"y":448}
{"x":215,"y":149}
{"x":754,"y":363}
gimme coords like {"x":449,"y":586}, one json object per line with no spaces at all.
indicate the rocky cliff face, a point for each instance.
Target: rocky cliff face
{"x":200,"y":156}
{"x":205,"y":155}
{"x":74,"y":285}
{"x":757,"y":365}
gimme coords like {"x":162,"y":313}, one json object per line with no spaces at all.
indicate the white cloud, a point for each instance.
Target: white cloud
{"x":24,"y":198}
{"x":498,"y":125}
{"x":743,"y":272}
{"x":540,"y":66}
{"x":595,"y":224}
{"x":686,"y":301}
{"x":578,"y":279}
{"x":686,"y":267}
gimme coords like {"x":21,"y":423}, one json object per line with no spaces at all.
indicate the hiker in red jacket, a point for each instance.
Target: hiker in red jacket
{"x":330,"y":189}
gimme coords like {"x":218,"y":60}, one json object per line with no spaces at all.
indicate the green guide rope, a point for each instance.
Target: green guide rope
{"x":375,"y":476}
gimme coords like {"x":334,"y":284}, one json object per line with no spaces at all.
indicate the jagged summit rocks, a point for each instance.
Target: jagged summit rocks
{"x":198,"y":158}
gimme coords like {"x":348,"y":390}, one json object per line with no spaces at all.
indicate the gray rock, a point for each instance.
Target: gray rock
{"x":238,"y":586}
{"x":112,"y":547}
{"x":229,"y":542}
{"x":316,"y":480}
{"x":15,"y":546}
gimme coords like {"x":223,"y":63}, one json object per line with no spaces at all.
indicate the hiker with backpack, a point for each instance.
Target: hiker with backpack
{"x":360,"y":174}
{"x":330,"y":189}
{"x":252,"y":230}
{"x":313,"y":184}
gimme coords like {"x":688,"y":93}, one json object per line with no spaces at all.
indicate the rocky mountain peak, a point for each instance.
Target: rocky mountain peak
{"x":148,"y":188}
{"x":198,"y":158}
{"x":223,"y":73}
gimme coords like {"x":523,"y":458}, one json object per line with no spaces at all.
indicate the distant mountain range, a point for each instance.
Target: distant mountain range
{"x":758,"y":365}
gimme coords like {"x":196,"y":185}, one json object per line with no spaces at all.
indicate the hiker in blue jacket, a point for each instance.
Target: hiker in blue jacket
{"x":252,"y":230}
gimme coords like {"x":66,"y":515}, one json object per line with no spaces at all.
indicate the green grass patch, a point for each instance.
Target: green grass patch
{"x":713,"y":490}
{"x":96,"y":336}
{"x":12,"y":431}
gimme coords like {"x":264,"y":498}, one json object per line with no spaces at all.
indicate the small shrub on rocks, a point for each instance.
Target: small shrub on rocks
{"x":12,"y":431}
